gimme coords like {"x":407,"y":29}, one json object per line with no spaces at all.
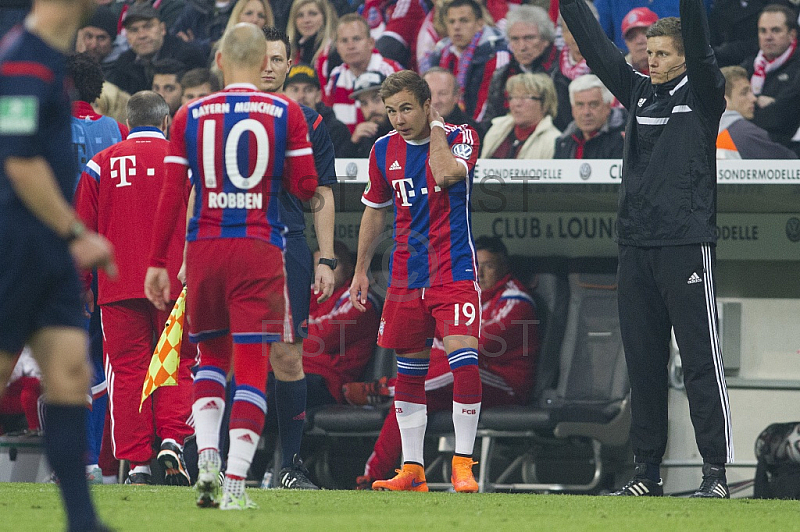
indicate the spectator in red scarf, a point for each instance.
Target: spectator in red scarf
{"x":527,"y":131}
{"x":775,"y":72}
{"x":473,"y":51}
{"x":598,"y":131}
{"x":357,"y":49}
{"x":571,"y":64}
{"x":530,"y":34}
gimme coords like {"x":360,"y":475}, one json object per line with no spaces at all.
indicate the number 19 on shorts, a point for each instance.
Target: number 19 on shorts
{"x":467,"y":310}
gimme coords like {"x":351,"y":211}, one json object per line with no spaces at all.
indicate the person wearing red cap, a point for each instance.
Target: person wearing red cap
{"x":612,"y":12}
{"x":634,"y":30}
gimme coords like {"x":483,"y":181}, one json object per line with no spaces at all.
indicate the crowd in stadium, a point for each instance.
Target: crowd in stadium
{"x":469,"y":54}
{"x":510,"y":69}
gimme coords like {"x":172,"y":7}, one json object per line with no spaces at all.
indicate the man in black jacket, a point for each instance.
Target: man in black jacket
{"x":667,"y":222}
{"x":597,"y":132}
{"x":149,"y":42}
{"x":775,"y":73}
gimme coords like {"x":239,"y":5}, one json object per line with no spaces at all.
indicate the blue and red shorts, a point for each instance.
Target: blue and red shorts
{"x":412,"y":316}
{"x":237,"y":286}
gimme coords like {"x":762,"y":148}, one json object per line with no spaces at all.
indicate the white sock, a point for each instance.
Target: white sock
{"x":412,"y":418}
{"x":234,"y":486}
{"x":465,"y":422}
{"x":208,"y":413}
{"x":140,"y":469}
{"x":240,"y":454}
{"x":110,"y":479}
{"x":209,"y":456}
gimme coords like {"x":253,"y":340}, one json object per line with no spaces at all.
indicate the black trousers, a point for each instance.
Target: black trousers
{"x":662,"y":288}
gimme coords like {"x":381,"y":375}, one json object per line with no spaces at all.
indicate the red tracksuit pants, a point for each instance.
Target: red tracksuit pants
{"x":131,"y":329}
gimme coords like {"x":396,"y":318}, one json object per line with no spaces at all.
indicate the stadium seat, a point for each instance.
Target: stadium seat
{"x":588,"y":407}
{"x":337,"y":431}
{"x":347,"y":420}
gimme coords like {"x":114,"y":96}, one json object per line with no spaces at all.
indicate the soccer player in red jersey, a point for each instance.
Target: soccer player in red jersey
{"x":117,"y":196}
{"x":233,"y":141}
{"x":508,"y":348}
{"x":425,"y":168}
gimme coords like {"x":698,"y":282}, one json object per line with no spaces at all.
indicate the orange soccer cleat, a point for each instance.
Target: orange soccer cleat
{"x":462,"y":478}
{"x":410,"y":478}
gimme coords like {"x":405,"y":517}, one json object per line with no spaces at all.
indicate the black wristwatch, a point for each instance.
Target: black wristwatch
{"x":331,"y":263}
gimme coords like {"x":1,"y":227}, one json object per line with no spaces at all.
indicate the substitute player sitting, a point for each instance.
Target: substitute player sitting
{"x":425,"y":168}
{"x":233,"y":141}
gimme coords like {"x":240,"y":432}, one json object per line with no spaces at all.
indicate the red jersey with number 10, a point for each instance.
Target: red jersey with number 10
{"x":242,"y":145}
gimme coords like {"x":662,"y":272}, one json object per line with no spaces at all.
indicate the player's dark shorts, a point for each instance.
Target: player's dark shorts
{"x":411,"y":316}
{"x":39,"y":285}
{"x":299,"y":276}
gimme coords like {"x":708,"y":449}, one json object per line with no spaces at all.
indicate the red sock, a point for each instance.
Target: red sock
{"x":467,"y":384}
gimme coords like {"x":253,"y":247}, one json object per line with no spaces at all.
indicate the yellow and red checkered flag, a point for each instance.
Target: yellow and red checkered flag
{"x":163,"y":370}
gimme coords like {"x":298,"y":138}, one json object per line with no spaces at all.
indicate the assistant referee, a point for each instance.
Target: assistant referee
{"x":667,"y":221}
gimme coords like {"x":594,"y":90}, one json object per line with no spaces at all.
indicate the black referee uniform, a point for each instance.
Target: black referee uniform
{"x":667,"y":222}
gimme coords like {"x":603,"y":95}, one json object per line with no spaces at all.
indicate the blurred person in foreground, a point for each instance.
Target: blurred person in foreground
{"x":42,"y":240}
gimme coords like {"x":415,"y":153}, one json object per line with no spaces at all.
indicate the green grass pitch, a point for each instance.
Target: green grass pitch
{"x":37,"y":507}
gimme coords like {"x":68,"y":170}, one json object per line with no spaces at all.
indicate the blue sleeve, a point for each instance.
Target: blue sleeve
{"x":324,"y":155}
{"x":23,"y":101}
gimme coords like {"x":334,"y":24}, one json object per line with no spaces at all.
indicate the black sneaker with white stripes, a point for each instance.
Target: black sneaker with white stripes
{"x":641,"y":486}
{"x":295,"y":477}
{"x":714,"y":485}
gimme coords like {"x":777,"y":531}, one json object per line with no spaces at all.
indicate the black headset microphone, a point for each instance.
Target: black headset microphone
{"x":675,"y":67}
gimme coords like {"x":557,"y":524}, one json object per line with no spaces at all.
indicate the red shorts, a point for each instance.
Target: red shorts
{"x":237,"y":286}
{"x":412,"y":316}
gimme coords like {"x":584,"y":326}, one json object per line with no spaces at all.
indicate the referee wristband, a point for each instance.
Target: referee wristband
{"x":437,"y":123}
